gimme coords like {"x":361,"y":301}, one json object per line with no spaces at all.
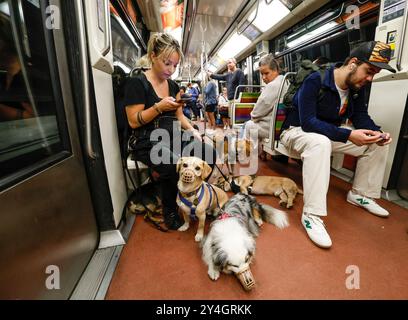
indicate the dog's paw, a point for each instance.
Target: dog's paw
{"x":259,"y":222}
{"x":184,"y":227}
{"x":213,"y":274}
{"x":198,"y":237}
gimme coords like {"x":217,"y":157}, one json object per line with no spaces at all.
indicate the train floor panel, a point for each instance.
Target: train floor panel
{"x":367,"y":260}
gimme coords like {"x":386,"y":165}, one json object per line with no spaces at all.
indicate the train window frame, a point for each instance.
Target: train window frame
{"x":63,"y":149}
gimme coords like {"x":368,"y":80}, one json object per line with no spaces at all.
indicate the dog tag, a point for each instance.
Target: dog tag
{"x":195,"y":202}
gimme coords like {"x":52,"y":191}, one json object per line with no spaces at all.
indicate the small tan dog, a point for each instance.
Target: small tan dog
{"x":284,"y":188}
{"x":196,"y":198}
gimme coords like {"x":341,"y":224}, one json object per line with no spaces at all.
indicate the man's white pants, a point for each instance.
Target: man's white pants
{"x":315,"y":151}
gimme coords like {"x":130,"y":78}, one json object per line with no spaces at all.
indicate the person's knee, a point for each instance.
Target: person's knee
{"x":320,"y":141}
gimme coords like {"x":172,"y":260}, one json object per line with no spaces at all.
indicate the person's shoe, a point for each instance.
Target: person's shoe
{"x":172,"y":220}
{"x":367,"y":203}
{"x":316,"y":230}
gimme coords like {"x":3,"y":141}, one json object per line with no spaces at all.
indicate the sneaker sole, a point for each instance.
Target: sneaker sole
{"x":315,"y":243}
{"x":320,"y":245}
{"x":376,"y":214}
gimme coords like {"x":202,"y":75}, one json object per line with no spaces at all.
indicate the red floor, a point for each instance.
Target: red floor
{"x":287,"y":265}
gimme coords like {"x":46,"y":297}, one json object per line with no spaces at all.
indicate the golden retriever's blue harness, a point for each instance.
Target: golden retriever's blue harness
{"x":197,"y":201}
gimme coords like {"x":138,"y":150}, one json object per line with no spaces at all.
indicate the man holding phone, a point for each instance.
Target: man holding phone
{"x":315,"y":129}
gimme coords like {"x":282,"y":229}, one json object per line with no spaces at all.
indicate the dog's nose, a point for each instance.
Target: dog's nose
{"x":188,"y":176}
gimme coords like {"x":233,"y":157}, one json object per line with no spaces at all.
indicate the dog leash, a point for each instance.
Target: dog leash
{"x":234,"y":187}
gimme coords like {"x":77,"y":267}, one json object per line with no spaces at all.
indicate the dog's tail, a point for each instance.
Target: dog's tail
{"x":275,"y":216}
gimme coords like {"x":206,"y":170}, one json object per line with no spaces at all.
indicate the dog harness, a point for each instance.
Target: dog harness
{"x":193,"y":205}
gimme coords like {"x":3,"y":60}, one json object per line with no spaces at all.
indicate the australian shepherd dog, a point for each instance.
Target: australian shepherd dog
{"x":230,"y":244}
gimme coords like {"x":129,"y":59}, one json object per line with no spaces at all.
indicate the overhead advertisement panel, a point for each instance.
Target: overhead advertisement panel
{"x":172,"y":12}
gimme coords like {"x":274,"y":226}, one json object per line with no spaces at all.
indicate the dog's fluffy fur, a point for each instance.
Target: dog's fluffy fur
{"x":284,"y":188}
{"x":192,"y":173}
{"x":230,"y":244}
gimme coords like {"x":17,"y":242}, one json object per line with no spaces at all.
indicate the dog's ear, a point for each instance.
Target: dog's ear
{"x":179,"y":164}
{"x":206,"y":170}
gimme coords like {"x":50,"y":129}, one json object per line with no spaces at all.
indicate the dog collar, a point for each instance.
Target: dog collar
{"x":224,"y":216}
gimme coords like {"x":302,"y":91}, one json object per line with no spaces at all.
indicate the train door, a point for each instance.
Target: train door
{"x":48,"y":230}
{"x":100,"y":48}
{"x":389,"y":96}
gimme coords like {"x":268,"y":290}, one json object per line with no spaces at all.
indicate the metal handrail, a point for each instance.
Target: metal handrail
{"x":107,"y":40}
{"x":275,"y":109}
{"x":85,"y":78}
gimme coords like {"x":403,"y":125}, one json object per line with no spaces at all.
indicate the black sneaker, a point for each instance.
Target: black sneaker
{"x":172,"y":220}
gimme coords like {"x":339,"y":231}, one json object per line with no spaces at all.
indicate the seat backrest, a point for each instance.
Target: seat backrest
{"x":241,"y":109}
{"x":279,"y":111}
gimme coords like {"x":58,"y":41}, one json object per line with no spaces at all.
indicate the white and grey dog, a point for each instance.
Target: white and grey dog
{"x":230,"y":244}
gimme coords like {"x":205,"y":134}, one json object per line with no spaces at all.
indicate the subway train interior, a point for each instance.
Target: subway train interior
{"x":68,"y":230}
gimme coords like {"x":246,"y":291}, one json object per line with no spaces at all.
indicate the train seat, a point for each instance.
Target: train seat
{"x":272,"y":145}
{"x":242,"y":108}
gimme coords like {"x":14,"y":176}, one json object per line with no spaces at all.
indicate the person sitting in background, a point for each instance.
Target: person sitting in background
{"x":14,"y":101}
{"x":223,"y":105}
{"x":262,"y":112}
{"x":193,"y":92}
{"x":186,"y":109}
{"x":315,"y":129}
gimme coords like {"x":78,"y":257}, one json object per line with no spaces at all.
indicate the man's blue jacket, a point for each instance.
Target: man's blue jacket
{"x":322,"y":115}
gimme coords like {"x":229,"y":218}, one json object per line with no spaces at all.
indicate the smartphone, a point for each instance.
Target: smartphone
{"x":183,"y":99}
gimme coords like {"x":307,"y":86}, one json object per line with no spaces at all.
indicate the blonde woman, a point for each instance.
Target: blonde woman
{"x":152,"y":101}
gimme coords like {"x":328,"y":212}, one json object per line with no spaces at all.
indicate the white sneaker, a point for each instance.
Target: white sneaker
{"x":367,"y":203}
{"x":316,"y":230}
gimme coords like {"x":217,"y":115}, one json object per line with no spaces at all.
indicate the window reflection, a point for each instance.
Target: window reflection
{"x":29,"y":130}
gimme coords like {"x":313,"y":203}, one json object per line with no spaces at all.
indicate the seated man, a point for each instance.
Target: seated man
{"x":262,"y":112}
{"x":313,"y":129}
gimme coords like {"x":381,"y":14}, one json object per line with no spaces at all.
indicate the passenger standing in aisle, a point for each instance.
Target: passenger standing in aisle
{"x":234,"y":78}
{"x":210,"y":91}
{"x":315,"y":128}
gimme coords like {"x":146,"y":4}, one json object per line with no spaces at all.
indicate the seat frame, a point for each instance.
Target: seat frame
{"x":272,"y":145}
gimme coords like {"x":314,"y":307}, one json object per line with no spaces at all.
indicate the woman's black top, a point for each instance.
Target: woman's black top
{"x":140,"y":91}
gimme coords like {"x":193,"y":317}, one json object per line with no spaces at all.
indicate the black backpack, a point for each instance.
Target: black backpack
{"x":306,"y":69}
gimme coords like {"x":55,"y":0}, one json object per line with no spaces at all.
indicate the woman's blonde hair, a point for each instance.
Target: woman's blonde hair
{"x":163,"y":44}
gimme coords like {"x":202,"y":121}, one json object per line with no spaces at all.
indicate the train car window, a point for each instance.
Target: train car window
{"x":126,"y":53}
{"x":31,"y":129}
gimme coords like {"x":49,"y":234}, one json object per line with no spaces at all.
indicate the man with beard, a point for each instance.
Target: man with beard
{"x":316,"y":127}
